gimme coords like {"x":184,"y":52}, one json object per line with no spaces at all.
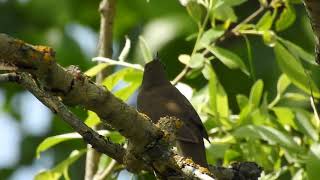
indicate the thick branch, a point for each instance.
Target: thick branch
{"x":313,"y":9}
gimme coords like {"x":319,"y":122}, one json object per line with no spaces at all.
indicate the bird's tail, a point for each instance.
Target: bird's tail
{"x":195,"y":151}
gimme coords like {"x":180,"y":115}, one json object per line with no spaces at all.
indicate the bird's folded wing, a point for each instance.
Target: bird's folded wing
{"x":188,"y":134}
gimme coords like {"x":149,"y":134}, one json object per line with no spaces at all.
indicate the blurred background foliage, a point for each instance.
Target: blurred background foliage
{"x":250,"y":76}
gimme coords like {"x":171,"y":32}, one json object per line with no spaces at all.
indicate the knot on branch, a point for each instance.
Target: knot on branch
{"x":48,"y":52}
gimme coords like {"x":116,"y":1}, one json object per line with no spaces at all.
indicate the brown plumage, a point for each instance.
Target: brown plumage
{"x":158,"y":98}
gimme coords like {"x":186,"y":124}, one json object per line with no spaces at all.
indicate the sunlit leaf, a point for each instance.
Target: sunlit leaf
{"x":242,"y":100}
{"x":286,"y":19}
{"x":126,"y":92}
{"x":218,"y":97}
{"x":95,"y":69}
{"x":53,"y":140}
{"x":184,"y":59}
{"x":230,"y":59}
{"x":283,"y":84}
{"x":210,"y":36}
{"x":206,"y":71}
{"x":256,"y":93}
{"x":196,"y":60}
{"x":265,"y":21}
{"x":294,"y":70}
{"x":92,"y":119}
{"x":303,"y":121}
{"x":126,"y":74}
{"x":285,"y":116}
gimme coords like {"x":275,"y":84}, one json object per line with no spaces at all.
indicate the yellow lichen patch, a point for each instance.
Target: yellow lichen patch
{"x":48,"y":52}
{"x":19,"y":42}
{"x":189,"y":161}
{"x":204,"y":170}
{"x":178,"y":124}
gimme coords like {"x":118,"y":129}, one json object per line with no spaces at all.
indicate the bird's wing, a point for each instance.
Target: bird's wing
{"x":189,"y":112}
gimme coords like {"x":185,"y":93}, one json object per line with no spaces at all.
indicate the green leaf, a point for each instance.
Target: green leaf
{"x":53,"y":140}
{"x":286,"y":19}
{"x":126,"y":92}
{"x":282,"y":84}
{"x":273,"y":136}
{"x":127,"y":74}
{"x":228,"y":58}
{"x":210,"y":36}
{"x":313,"y":162}
{"x":265,"y":22}
{"x":206,"y":71}
{"x":184,"y":59}
{"x":224,"y":13}
{"x":295,"y":97}
{"x":145,"y":50}
{"x":256,"y":93}
{"x":285,"y":116}
{"x":218,"y":97}
{"x":95,"y":69}
{"x":92,"y":119}
{"x":294,"y":70}
{"x":242,"y":101}
{"x":196,"y":60}
{"x":234,"y":2}
{"x":297,"y":51}
{"x":62,"y":168}
{"x":303,"y":121}
{"x":196,"y":11}
{"x":111,"y":81}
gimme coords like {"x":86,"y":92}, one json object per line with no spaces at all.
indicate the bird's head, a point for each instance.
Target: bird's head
{"x":154,"y":73}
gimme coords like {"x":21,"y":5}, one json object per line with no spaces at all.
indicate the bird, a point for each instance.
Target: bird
{"x":158,"y":98}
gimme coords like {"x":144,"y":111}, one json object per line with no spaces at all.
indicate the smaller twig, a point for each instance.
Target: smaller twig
{"x":180,"y":75}
{"x":8,"y":77}
{"x":248,"y":19}
{"x":104,"y":174}
{"x":120,"y":63}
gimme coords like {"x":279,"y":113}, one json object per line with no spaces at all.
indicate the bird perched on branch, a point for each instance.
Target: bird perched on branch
{"x":159,"y":98}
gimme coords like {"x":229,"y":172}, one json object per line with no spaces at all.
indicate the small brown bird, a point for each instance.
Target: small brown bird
{"x":159,"y":98}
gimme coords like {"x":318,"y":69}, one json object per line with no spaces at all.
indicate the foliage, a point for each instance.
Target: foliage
{"x":256,"y":97}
